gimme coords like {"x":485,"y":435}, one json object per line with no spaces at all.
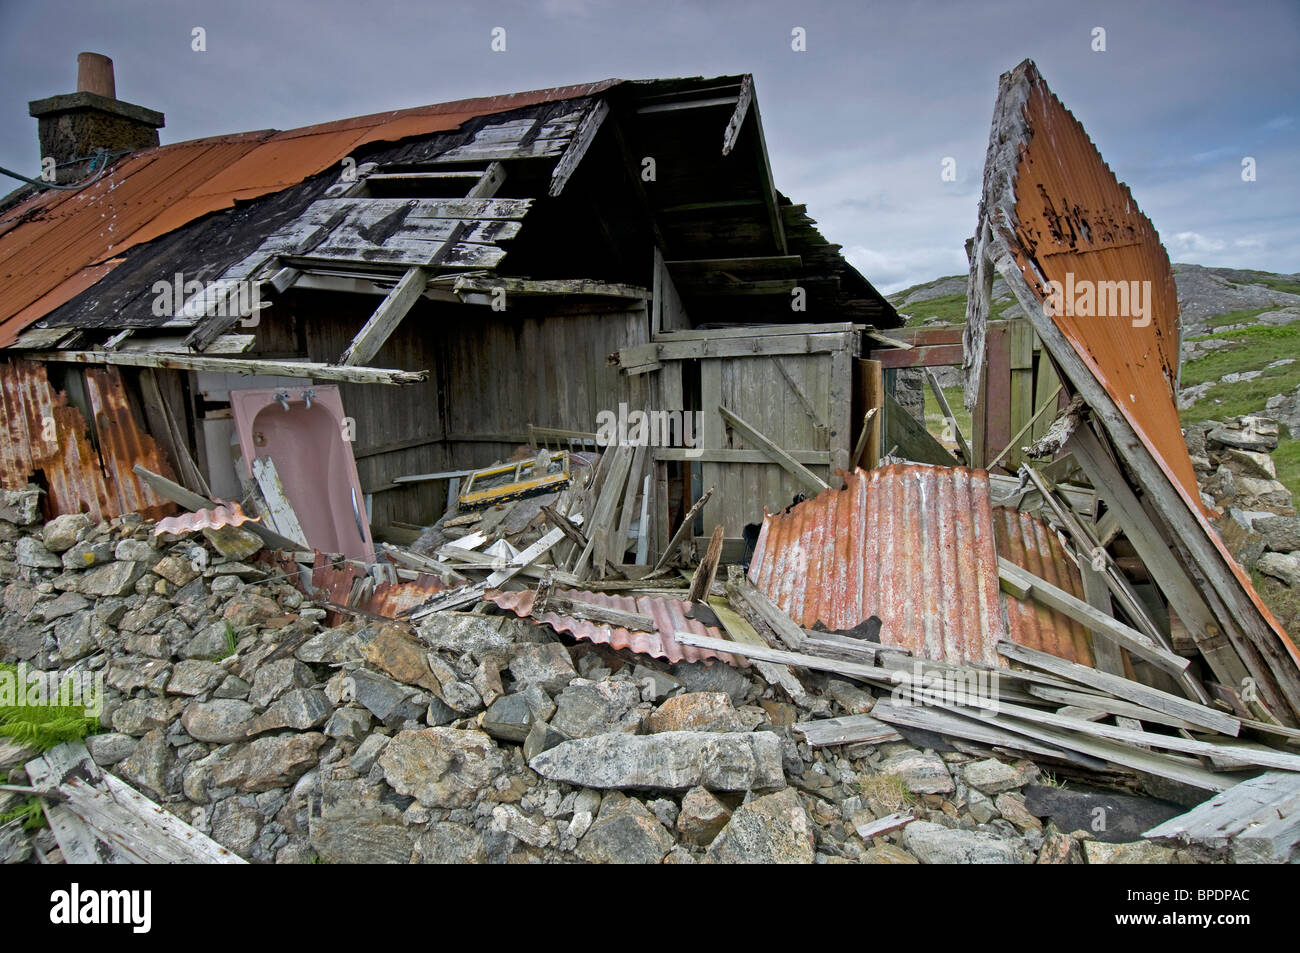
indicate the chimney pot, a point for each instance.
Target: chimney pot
{"x":73,"y":126}
{"x":95,"y":75}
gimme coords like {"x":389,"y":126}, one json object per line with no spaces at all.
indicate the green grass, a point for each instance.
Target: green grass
{"x":889,"y":790}
{"x":934,"y":421}
{"x":1253,"y":348}
{"x":44,"y":726}
{"x":231,"y":643}
{"x":947,"y":308}
{"x":1236,"y":317}
{"x":1286,"y":458}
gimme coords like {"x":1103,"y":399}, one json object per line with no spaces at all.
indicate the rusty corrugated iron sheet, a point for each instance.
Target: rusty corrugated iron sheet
{"x":223,"y":514}
{"x":1032,"y":545}
{"x":1062,"y":216}
{"x":916,"y":546}
{"x":331,"y":580}
{"x":669,"y":616}
{"x":56,"y":244}
{"x":1077,"y":223}
{"x":44,"y":435}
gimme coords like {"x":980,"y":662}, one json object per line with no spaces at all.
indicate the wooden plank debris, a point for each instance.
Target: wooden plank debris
{"x":702,"y":581}
{"x":683,"y":531}
{"x":884,"y":825}
{"x":98,"y":818}
{"x":1136,"y":692}
{"x":1257,"y":820}
{"x":1023,"y":584}
{"x":280,"y":512}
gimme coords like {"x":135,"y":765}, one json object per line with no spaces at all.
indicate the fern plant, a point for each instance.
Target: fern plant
{"x":29,"y":812}
{"x":44,"y":726}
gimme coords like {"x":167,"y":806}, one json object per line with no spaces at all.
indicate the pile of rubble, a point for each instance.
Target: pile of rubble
{"x":492,"y":736}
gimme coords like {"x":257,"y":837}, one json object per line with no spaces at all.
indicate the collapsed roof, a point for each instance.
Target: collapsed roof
{"x":233,"y":206}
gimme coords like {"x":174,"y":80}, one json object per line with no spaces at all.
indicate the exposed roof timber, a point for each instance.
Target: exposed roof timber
{"x":689,"y":104}
{"x":523,"y":287}
{"x":705,"y":206}
{"x":386,"y":318}
{"x":225,"y":365}
{"x":743,"y":102}
{"x":578,"y":147}
{"x":770,"y":266}
{"x":769,"y":186}
{"x":634,"y":177}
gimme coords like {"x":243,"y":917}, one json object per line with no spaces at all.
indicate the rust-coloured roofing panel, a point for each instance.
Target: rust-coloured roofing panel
{"x":43,"y":433}
{"x":1032,"y":545}
{"x":223,"y":514}
{"x":915,"y":546}
{"x":1053,"y":205}
{"x":1077,"y":223}
{"x":669,"y":616}
{"x":52,"y":238}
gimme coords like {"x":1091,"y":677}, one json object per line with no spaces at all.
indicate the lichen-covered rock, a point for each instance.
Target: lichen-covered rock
{"x":774,"y":829}
{"x":269,"y":762}
{"x":676,"y":760}
{"x":936,"y":844}
{"x":696,"y":711}
{"x":441,"y":767}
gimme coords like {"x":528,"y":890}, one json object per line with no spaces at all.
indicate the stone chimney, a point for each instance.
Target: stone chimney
{"x":73,"y":126}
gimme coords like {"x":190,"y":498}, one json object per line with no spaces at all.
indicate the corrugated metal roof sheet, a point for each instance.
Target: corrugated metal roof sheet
{"x":223,"y":514}
{"x":1062,"y":215}
{"x":56,"y":244}
{"x":916,"y":546}
{"x":669,"y":616}
{"x":1077,"y":223}
{"x":43,"y":434}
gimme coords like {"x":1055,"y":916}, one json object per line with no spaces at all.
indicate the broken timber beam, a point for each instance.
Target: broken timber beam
{"x":386,"y":318}
{"x":1140,"y":694}
{"x":683,"y":530}
{"x":227,"y":365}
{"x":702,"y":581}
{"x":801,"y":473}
{"x":1023,"y":584}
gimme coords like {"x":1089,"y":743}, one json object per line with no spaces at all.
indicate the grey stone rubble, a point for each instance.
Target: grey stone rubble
{"x":1237,"y":475}
{"x":477,"y":737}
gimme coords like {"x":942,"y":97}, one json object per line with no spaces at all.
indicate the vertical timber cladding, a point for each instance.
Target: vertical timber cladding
{"x":800,"y":401}
{"x":491,"y":374}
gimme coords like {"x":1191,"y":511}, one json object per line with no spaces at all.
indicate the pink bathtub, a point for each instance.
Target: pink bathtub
{"x":314,"y":460}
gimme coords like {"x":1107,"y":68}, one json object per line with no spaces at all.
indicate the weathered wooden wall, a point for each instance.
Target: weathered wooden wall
{"x":490,"y":375}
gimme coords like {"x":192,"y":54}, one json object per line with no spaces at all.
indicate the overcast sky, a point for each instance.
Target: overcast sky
{"x":858,"y":125}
